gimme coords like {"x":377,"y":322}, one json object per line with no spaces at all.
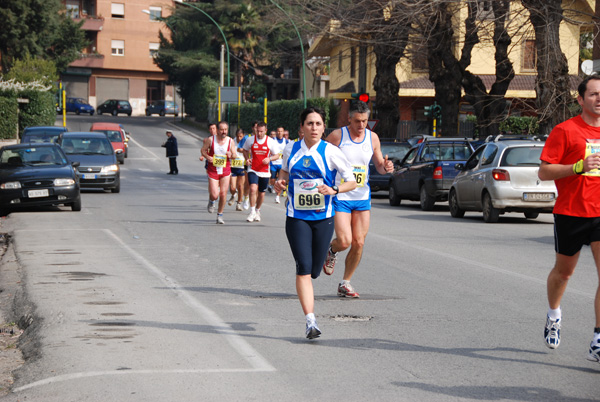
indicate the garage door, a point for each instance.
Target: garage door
{"x":76,"y":86}
{"x":111,"y":88}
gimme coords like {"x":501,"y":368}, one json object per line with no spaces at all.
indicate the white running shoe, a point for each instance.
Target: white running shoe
{"x":312,"y":331}
{"x":210,"y":207}
{"x":246,"y":203}
{"x":552,"y":332}
{"x":238,"y":206}
{"x":277,"y":200}
{"x":594,"y":353}
{"x":252,"y":216}
{"x":220,"y":220}
{"x":257,"y":218}
{"x":231,"y":200}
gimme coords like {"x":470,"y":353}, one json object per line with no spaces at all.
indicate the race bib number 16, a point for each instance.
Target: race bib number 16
{"x":306,"y":195}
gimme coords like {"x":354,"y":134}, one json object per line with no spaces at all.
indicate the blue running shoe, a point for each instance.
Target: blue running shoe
{"x":594,"y":354}
{"x":552,"y":332}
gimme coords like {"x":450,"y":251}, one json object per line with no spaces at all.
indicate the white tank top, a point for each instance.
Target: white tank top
{"x":359,"y":154}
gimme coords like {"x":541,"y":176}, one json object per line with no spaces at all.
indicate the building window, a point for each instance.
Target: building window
{"x":352,"y":62}
{"x":155,"y":13}
{"x":117,"y":47}
{"x":73,"y":8}
{"x":154,"y":49}
{"x":117,"y":10}
{"x":340,"y":61}
{"x":484,"y":10}
{"x":529,"y":55}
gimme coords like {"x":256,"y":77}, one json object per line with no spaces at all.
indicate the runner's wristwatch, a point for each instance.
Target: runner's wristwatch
{"x":336,"y":189}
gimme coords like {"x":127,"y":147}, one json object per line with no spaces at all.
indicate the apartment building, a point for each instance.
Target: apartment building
{"x":118,"y":63}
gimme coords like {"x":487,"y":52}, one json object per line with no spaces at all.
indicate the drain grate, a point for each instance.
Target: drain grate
{"x":351,"y":318}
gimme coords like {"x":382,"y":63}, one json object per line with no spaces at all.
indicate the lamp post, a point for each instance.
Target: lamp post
{"x":301,"y":48}
{"x":220,"y":30}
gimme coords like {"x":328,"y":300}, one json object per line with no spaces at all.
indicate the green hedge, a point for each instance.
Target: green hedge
{"x":515,"y":125}
{"x":40,"y":111}
{"x":284,"y":113}
{"x":8,"y":117}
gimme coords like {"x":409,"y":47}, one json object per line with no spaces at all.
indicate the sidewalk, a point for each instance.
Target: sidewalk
{"x":190,"y":128}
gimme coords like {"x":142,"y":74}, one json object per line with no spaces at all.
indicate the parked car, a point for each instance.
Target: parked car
{"x":98,"y":166}
{"x":500,"y":177}
{"x":476,"y":143}
{"x":116,"y":136}
{"x":162,"y":107}
{"x":38,"y":174}
{"x":115,"y":107}
{"x":78,"y":106}
{"x":395,"y":151}
{"x":427,"y":171}
{"x":40,"y":134}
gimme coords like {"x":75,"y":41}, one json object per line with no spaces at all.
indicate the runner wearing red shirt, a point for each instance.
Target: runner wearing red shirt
{"x":571,"y":157}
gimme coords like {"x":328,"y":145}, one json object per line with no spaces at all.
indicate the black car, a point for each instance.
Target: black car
{"x":115,"y":107}
{"x":395,"y":152}
{"x":33,"y":175}
{"x":93,"y":151}
{"x":37,"y":134}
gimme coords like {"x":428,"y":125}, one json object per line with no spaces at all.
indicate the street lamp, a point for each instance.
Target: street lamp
{"x":301,"y":48}
{"x":220,"y":30}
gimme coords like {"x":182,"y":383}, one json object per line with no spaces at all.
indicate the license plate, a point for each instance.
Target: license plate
{"x":538,"y":196}
{"x":37,"y":193}
{"x":89,"y":176}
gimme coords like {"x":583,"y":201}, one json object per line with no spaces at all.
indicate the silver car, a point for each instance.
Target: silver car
{"x":499,"y":177}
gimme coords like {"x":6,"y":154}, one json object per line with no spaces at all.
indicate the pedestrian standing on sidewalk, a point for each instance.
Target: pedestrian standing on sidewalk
{"x":571,"y":157}
{"x":310,"y":165}
{"x":172,"y":152}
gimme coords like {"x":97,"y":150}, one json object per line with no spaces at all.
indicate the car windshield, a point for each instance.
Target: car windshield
{"x":113,"y":135}
{"x":81,"y":101}
{"x":395,"y":151}
{"x":123,"y":103}
{"x":447,"y":152}
{"x":39,"y":137}
{"x":521,"y":156}
{"x":87,"y":146}
{"x":31,"y":156}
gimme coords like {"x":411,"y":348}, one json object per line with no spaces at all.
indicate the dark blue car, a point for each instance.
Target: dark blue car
{"x":40,"y":134}
{"x":78,"y":106}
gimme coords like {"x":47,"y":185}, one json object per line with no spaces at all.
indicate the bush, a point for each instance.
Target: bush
{"x":8,"y":117}
{"x":204,"y":92}
{"x":513,"y":124}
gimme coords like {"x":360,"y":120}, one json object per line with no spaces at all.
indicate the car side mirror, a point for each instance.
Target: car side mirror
{"x":459,"y":166}
{"x":75,"y":164}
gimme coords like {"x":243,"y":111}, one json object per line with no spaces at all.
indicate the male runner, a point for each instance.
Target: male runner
{"x":571,"y":157}
{"x":259,"y":151}
{"x":246,"y":203}
{"x":353,"y":209}
{"x":218,"y":150}
{"x":280,"y":144}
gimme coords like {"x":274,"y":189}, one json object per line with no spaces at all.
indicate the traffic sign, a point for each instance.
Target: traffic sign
{"x":371,"y":124}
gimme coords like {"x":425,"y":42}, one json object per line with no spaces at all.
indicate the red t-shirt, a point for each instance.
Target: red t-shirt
{"x":577,"y":195}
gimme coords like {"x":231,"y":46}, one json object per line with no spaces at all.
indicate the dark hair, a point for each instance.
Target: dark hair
{"x":359,"y":107}
{"x":583,"y":85}
{"x":211,"y":124}
{"x":310,"y":110}
{"x":255,"y":122}
{"x":261,"y":124}
{"x":239,"y":130}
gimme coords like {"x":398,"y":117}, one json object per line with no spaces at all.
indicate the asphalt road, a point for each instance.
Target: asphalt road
{"x":142,"y":297}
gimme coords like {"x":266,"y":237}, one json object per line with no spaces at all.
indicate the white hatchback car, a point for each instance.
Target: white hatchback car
{"x":502,"y":176}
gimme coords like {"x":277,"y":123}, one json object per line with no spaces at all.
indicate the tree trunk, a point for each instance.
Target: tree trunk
{"x":444,"y":69}
{"x":489,"y":107}
{"x":386,"y":86}
{"x":552,"y":81}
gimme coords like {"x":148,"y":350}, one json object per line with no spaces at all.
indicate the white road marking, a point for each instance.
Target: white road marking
{"x":256,"y":361}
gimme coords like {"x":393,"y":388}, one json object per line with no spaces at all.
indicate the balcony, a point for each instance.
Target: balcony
{"x":87,"y":60}
{"x":91,"y":23}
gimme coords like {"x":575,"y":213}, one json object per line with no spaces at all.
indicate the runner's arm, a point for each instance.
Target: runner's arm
{"x":383,"y":165}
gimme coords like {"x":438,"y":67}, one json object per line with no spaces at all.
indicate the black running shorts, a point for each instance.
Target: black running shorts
{"x":572,"y":232}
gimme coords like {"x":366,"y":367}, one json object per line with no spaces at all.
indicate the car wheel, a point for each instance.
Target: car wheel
{"x":148,"y":113}
{"x":161,"y":113}
{"x":78,"y":112}
{"x":91,"y":113}
{"x":116,"y":189}
{"x":114,"y":112}
{"x":426,"y":200}
{"x":531,"y":214}
{"x":129,"y":114}
{"x":76,"y":205}
{"x":395,"y":199}
{"x":455,"y":210}
{"x":176,"y":114}
{"x":99,"y":112}
{"x":490,"y":214}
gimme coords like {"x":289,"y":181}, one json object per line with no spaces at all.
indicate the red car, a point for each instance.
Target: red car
{"x":117,"y":138}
